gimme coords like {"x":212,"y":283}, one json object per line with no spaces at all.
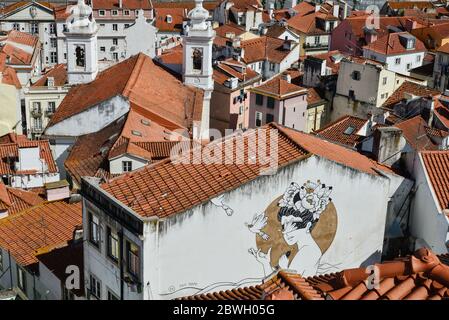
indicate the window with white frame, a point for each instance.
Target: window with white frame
{"x":51,"y":108}
{"x":53,"y":57}
{"x":258,"y":119}
{"x":113,"y":244}
{"x":126,"y":12}
{"x":21,"y":279}
{"x":133,"y":258}
{"x":115,"y":56}
{"x":127,"y":166}
{"x":53,"y":43}
{"x":95,"y":287}
{"x":16,"y":26}
{"x":384,"y":80}
{"x":115,"y":41}
{"x":52,"y":28}
{"x":114,"y":12}
{"x":418,"y":58}
{"x":114,"y":27}
{"x":101,"y":13}
{"x":34,"y":28}
{"x":397,"y":61}
{"x":272,"y":66}
{"x":94,"y":229}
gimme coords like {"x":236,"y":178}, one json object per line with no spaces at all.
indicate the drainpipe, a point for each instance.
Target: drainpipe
{"x":120,"y":235}
{"x":10,"y":267}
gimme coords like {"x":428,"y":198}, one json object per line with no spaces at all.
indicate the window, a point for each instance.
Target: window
{"x":126,"y":25}
{"x":169,"y":19}
{"x":258,"y":119}
{"x":317,"y":40}
{"x":53,"y":42}
{"x":16,"y":26}
{"x":34,"y":28}
{"x":259,"y":99}
{"x":331,"y":25}
{"x":270,"y":102}
{"x":127,"y":166}
{"x":126,"y":12}
{"x":1,"y":260}
{"x":21,"y":279}
{"x":260,"y":65}
{"x":101,"y":13}
{"x":114,"y":27}
{"x":356,"y":75}
{"x":103,"y":49}
{"x":53,"y":57}
{"x":241,"y":110}
{"x":114,"y":12}
{"x":94,"y":230}
{"x":397,"y":61}
{"x":418,"y":58}
{"x":349,"y":130}
{"x":80,"y":56}
{"x":115,"y":41}
{"x":51,"y":107}
{"x":384,"y":80}
{"x":409,"y":65}
{"x":115,"y":56}
{"x":95,"y":287}
{"x":64,"y":28}
{"x":197,"y":57}
{"x":36,"y":107}
{"x":102,"y":25}
{"x":133,"y":258}
{"x":269,"y":118}
{"x":52,"y":28}
{"x":113,"y":244}
{"x":351,"y":94}
{"x":272,"y":66}
{"x":112,"y":296}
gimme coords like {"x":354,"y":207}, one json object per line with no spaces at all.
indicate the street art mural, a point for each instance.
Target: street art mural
{"x":295,"y":230}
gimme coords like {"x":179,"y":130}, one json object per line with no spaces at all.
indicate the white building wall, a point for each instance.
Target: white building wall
{"x":204,"y":249}
{"x":115,"y":165}
{"x":427,"y":221}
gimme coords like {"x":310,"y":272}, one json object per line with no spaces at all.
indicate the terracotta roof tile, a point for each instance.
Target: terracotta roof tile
{"x":178,"y":15}
{"x":146,"y":190}
{"x":422,"y":276}
{"x":58,"y":72}
{"x":10,"y":152}
{"x":9,"y":76}
{"x":415,"y":132}
{"x":262,"y":48}
{"x":441,"y":111}
{"x":15,"y":200}
{"x":313,"y":96}
{"x":279,"y":88}
{"x":343,"y":131}
{"x":409,"y":4}
{"x":391,"y":44}
{"x":19,"y":4}
{"x":167,"y":98}
{"x":45,"y":225}
{"x":410,"y":88}
{"x":436,"y":164}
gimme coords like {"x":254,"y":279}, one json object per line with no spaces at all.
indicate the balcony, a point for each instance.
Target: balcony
{"x":49,"y":113}
{"x":315,"y":46}
{"x":36,"y":129}
{"x":36,"y":113}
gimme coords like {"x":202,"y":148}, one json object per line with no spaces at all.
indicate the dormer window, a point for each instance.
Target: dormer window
{"x":114,"y":12}
{"x":126,"y":12}
{"x":169,"y":19}
{"x":101,"y":13}
{"x":356,"y":75}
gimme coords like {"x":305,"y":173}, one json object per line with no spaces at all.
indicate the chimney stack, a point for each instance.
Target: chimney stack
{"x":287,"y":77}
{"x":57,"y":190}
{"x":388,"y":145}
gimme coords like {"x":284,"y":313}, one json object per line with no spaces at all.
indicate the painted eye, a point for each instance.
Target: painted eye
{"x":288,"y":253}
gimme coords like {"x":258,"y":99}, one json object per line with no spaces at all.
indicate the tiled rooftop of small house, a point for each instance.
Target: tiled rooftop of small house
{"x":436,"y":164}
{"x":409,"y":88}
{"x":14,"y":200}
{"x":279,"y":88}
{"x":343,"y":130}
{"x":421,"y":276}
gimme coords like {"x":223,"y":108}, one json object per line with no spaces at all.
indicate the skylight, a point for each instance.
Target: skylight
{"x":349,"y":130}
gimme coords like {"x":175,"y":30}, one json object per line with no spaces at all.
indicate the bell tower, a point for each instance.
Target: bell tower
{"x":197,"y":65}
{"x":81,"y":39}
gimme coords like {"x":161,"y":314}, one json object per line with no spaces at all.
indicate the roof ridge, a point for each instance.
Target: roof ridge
{"x":134,"y":74}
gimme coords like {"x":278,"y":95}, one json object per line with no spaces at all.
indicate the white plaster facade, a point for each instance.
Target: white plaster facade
{"x":204,"y":249}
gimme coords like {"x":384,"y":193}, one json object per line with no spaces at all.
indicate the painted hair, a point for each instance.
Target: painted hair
{"x":306,"y":217}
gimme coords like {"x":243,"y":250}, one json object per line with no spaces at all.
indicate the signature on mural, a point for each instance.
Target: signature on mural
{"x":295,"y":229}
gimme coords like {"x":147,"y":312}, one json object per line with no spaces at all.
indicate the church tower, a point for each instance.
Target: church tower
{"x":197,"y":65}
{"x":81,"y":38}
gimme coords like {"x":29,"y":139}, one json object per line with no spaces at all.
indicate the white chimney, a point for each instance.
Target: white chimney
{"x":57,"y":190}
{"x":287,"y":77}
{"x":120,"y":3}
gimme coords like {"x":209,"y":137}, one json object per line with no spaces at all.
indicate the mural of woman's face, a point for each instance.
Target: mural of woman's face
{"x":291,"y":233}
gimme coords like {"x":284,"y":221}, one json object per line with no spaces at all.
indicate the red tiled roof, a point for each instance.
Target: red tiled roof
{"x":15,"y":200}
{"x":436,"y":164}
{"x":262,"y":48}
{"x":313,"y":96}
{"x":410,"y":4}
{"x":172,"y":56}
{"x":414,"y":131}
{"x":391,"y":44}
{"x":279,"y":88}
{"x":441,"y":111}
{"x":9,"y":76}
{"x":189,"y":5}
{"x":19,"y":4}
{"x":58,"y":72}
{"x":409,"y":88}
{"x":337,"y":130}
{"x":149,"y":192}
{"x":45,"y":225}
{"x":167,"y":97}
{"x":10,"y":152}
{"x":12,"y":137}
{"x":232,"y":69}
{"x":330,"y":61}
{"x":422,"y":276}
{"x":444,"y":48}
{"x":243,"y":5}
{"x":227,"y":29}
{"x":126,"y":4}
{"x":178,"y":15}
